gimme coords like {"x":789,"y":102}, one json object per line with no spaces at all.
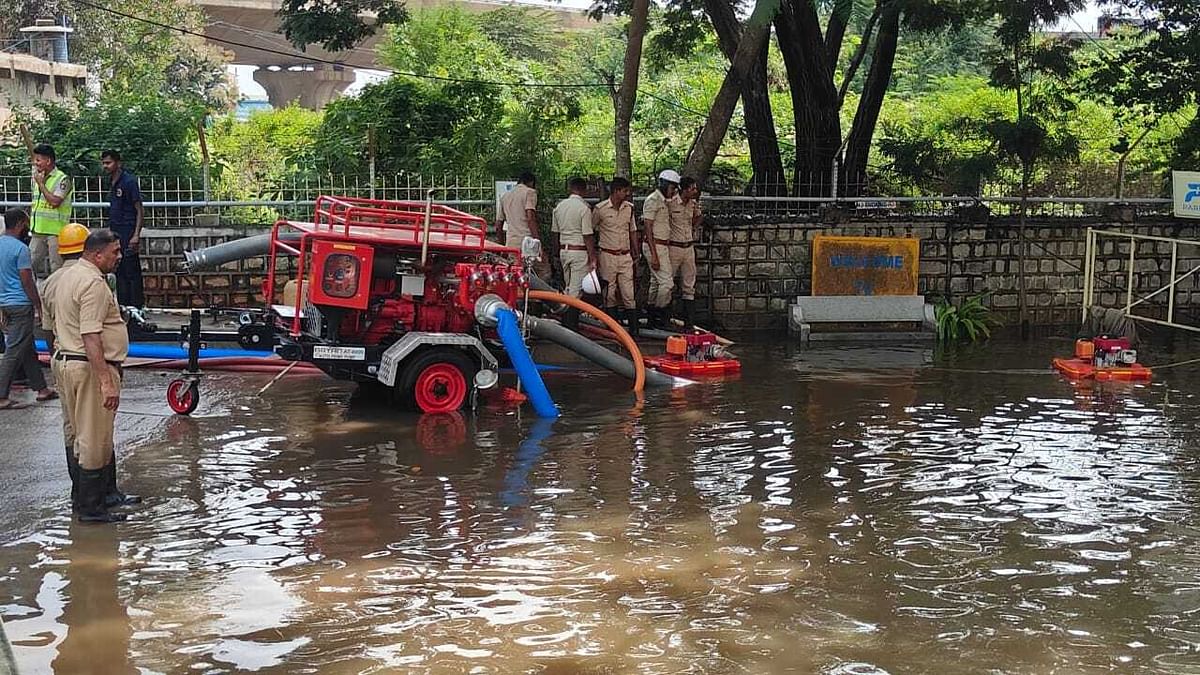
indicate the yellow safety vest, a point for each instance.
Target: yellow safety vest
{"x":47,"y":219}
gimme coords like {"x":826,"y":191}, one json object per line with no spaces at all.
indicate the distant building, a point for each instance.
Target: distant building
{"x":247,"y":107}
{"x":41,"y":73}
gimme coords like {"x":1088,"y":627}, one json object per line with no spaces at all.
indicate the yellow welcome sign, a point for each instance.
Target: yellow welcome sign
{"x":865,"y":265}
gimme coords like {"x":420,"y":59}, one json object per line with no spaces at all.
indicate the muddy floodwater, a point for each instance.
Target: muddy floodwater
{"x":832,"y":511}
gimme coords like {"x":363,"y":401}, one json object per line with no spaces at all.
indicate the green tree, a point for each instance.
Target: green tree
{"x":155,"y":134}
{"x":269,"y":149}
{"x":1150,"y":69}
{"x":336,"y":25}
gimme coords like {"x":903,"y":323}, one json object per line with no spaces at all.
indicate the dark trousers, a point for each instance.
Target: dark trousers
{"x":129,"y":272}
{"x":19,"y":349}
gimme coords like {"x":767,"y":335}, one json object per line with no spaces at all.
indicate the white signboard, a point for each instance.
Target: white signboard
{"x":503,"y":187}
{"x":1187,"y":193}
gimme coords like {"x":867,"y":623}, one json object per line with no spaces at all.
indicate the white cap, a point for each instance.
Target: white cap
{"x":591,"y":283}
{"x":670,"y":176}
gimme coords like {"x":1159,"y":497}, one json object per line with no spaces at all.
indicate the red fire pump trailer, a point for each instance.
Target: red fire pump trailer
{"x":386,"y":293}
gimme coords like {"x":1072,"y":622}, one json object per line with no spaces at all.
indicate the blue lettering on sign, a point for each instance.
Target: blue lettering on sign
{"x":863,"y":287}
{"x":866,"y":262}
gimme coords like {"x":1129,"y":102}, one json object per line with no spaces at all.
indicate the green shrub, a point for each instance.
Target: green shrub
{"x":970,"y":319}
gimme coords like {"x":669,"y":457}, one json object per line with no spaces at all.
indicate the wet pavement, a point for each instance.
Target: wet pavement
{"x":838,"y":510}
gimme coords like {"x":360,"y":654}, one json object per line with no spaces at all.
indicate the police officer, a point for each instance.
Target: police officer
{"x":685,"y":217}
{"x":518,"y":212}
{"x":70,"y":247}
{"x":612,"y":222}
{"x":51,"y":210}
{"x":92,"y":343}
{"x":656,"y":219}
{"x":572,"y":226}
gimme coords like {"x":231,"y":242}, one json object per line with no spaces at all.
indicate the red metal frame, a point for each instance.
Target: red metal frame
{"x":378,"y":222}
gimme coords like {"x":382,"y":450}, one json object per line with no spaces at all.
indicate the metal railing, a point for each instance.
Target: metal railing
{"x":1126,"y":245}
{"x":175,"y":202}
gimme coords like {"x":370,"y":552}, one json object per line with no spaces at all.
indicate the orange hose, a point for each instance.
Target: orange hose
{"x":639,"y":367}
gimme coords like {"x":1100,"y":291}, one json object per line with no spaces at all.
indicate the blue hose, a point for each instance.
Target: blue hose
{"x":148,"y":350}
{"x":514,"y":344}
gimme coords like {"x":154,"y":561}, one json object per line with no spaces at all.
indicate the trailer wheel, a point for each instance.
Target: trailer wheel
{"x":183,"y":396}
{"x":438,"y":380}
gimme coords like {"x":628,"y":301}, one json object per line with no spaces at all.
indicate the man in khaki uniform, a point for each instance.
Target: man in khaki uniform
{"x":70,"y":247}
{"x":572,"y":226}
{"x":656,"y":219}
{"x":612,"y":221}
{"x":518,"y":212}
{"x":92,"y":345}
{"x":685,"y":216}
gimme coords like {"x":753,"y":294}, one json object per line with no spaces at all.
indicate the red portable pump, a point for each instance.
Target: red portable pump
{"x":386,"y":292}
{"x":694,"y":354}
{"x":1103,"y":358}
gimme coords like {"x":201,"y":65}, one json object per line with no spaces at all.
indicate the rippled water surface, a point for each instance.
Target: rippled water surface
{"x":836,"y":511}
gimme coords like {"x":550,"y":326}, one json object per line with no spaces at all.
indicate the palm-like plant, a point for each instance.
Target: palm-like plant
{"x":970,"y":319}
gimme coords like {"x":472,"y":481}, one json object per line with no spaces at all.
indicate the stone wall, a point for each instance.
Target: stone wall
{"x":750,"y":272}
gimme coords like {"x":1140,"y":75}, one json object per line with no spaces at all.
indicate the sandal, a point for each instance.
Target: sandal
{"x":14,"y":405}
{"x":48,"y":397}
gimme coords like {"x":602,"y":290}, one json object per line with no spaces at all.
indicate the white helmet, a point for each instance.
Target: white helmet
{"x":591,"y":283}
{"x":670,"y":176}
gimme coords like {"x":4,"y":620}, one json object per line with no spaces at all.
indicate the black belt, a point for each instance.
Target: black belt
{"x":80,"y":357}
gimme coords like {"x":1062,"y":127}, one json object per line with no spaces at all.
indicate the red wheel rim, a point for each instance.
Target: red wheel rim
{"x":441,"y":388}
{"x":181,"y":396}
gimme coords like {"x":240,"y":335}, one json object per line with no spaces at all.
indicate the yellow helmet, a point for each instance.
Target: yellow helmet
{"x":71,"y":238}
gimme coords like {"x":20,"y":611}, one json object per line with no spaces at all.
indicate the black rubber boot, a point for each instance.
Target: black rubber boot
{"x":633,"y":321}
{"x":658,"y":318}
{"x":91,"y":498}
{"x":113,"y":495}
{"x":689,"y":314}
{"x":73,"y":471}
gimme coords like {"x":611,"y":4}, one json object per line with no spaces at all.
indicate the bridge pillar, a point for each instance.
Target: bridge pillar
{"x":310,"y":86}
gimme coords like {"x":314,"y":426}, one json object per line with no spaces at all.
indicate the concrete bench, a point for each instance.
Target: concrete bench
{"x":857,"y":310}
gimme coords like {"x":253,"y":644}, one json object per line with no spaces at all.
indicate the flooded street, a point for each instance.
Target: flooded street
{"x":836,"y":511}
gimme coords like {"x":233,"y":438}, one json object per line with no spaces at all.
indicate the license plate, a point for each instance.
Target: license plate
{"x":325,"y":352}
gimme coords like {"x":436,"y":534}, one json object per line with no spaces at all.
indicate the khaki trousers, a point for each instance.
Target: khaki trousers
{"x":662,"y":280}
{"x":575,"y":268}
{"x":617,"y":270}
{"x":683,"y":263}
{"x":43,"y":248}
{"x":66,"y":401}
{"x":83,"y":408}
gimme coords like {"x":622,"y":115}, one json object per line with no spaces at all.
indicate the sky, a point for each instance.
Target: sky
{"x":1085,"y":19}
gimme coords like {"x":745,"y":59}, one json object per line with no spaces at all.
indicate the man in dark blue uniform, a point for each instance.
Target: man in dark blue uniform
{"x":125,"y":215}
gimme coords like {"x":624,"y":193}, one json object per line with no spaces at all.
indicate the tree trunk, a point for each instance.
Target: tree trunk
{"x":814,"y":98}
{"x":835,"y":32}
{"x":754,"y":37}
{"x":627,"y":94}
{"x":858,"y":147}
{"x":765,"y":159}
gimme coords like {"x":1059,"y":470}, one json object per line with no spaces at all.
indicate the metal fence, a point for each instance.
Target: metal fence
{"x":175,"y":202}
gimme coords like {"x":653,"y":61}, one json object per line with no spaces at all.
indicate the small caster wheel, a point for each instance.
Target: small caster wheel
{"x":183,"y":396}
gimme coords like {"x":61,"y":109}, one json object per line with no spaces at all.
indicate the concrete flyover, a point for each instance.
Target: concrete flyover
{"x":290,"y":75}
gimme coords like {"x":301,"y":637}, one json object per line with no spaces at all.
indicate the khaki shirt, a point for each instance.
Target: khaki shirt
{"x":48,"y":292}
{"x":655,"y":210}
{"x":612,"y":225}
{"x":513,"y":206}
{"x":572,"y":220}
{"x":83,"y":304}
{"x":682,"y":217}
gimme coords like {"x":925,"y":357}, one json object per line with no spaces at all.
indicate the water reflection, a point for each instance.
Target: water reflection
{"x":833,"y":511}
